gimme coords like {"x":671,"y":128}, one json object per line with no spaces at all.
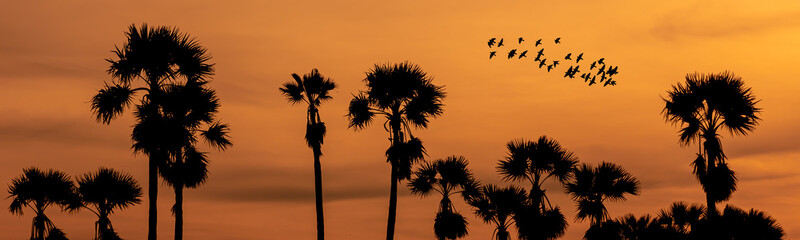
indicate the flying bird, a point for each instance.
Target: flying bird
{"x":558,"y":40}
{"x":594,"y":64}
{"x":602,"y":69}
{"x":569,"y":72}
{"x":555,"y":63}
{"x":542,"y":63}
{"x":612,"y":71}
{"x":512,"y":53}
{"x":575,"y":70}
{"x":500,"y":44}
{"x":539,"y":55}
{"x":569,"y":56}
{"x":580,"y":57}
{"x":549,"y":67}
{"x":521,"y":40}
{"x":600,"y":61}
{"x":491,"y":42}
{"x":591,"y":82}
{"x":538,"y":42}
{"x":523,"y":54}
{"x":492,"y":54}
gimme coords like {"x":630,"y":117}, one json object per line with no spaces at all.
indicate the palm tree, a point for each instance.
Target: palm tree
{"x":38,"y":190}
{"x":446,"y":176}
{"x":312,"y":89}
{"x":683,"y":218}
{"x":497,"y":205}
{"x":740,"y":224}
{"x":703,"y":106}
{"x":155,"y":56}
{"x":103,"y":192}
{"x":592,"y":186}
{"x":189,"y":112}
{"x":406,"y":96}
{"x":536,"y":162}
{"x":630,"y":227}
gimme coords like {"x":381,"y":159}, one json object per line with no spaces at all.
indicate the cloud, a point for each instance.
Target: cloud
{"x":710,"y":21}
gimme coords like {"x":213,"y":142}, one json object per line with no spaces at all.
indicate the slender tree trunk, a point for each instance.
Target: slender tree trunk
{"x":392,"y":206}
{"x":178,"y":211}
{"x":153,"y":195}
{"x":318,"y":193}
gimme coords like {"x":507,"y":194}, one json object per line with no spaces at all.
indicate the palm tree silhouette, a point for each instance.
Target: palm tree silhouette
{"x":497,"y":205}
{"x":38,"y":190}
{"x":446,"y":176}
{"x":103,"y":192}
{"x":156,"y":56}
{"x":189,"y":111}
{"x":705,"y":105}
{"x":682,"y":219}
{"x":592,"y":186}
{"x":313,"y":89}
{"x":406,"y":96}
{"x":538,"y":161}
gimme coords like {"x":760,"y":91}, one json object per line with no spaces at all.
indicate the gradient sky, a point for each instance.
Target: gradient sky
{"x":52,"y":62}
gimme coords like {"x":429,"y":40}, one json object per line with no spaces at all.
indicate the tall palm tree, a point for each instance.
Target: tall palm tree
{"x":313,"y":89}
{"x":156,"y":57}
{"x":190,"y":113}
{"x":406,"y":96}
{"x":38,"y":190}
{"x":703,"y":106}
{"x":105,"y":191}
{"x":497,"y":205}
{"x":592,"y":186}
{"x":447,"y":177}
{"x":536,"y":162}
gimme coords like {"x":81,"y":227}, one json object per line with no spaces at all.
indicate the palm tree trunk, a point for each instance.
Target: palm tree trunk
{"x":318,"y":193}
{"x":392,"y":206}
{"x":153,"y":195}
{"x":178,"y":211}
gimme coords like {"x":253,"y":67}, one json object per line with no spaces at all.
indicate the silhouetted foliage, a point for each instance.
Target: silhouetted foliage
{"x":103,"y":192}
{"x":702,"y":105}
{"x":446,"y":176}
{"x":312,"y":89}
{"x":406,"y":96}
{"x":497,"y":205}
{"x":37,"y":189}
{"x":592,"y":186}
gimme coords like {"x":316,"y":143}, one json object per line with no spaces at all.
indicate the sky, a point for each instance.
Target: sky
{"x":52,"y":61}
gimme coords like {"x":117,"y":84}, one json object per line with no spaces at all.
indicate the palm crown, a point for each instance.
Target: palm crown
{"x":37,"y":189}
{"x":592,"y":186}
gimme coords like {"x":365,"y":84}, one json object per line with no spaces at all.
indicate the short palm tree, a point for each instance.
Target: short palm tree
{"x":406,"y":96}
{"x":157,"y":57}
{"x":189,"y":112}
{"x":312,"y":89}
{"x":105,"y":191}
{"x":536,"y":162}
{"x":497,"y":205}
{"x":705,"y":105}
{"x":683,"y":218}
{"x":753,"y":224}
{"x":590,"y":187}
{"x":447,"y":177}
{"x":38,"y":190}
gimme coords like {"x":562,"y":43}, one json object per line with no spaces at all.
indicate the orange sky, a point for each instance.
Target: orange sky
{"x":52,"y":61}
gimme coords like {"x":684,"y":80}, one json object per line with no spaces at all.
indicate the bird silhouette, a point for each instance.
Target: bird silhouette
{"x":492,"y":54}
{"x":539,"y":55}
{"x":586,"y":76}
{"x":538,"y":42}
{"x":521,"y":40}
{"x":523,"y":54}
{"x":569,"y":56}
{"x":512,"y":53}
{"x":549,"y":67}
{"x":602,"y":69}
{"x":594,"y":64}
{"x":500,"y":44}
{"x":593,"y":78}
{"x":612,"y":70}
{"x":569,"y":72}
{"x":555,"y":63}
{"x":580,"y":57}
{"x":491,"y":42}
{"x":542,"y":63}
{"x":600,"y":61}
{"x":575,"y":70}
{"x":558,"y":40}
{"x":591,"y":82}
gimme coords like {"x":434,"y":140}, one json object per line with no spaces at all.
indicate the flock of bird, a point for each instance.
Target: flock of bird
{"x":598,"y":73}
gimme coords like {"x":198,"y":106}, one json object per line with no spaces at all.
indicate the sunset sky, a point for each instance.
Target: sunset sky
{"x":52,"y":61}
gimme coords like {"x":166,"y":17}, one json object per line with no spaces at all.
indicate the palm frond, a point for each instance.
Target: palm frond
{"x":111,"y":101}
{"x":359,"y":113}
{"x":217,"y":136}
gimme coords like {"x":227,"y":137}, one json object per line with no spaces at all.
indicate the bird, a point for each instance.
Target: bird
{"x":523,"y":54}
{"x":586,"y":77}
{"x":492,"y":54}
{"x":538,"y":42}
{"x":593,"y":78}
{"x":602,"y":69}
{"x":583,"y":75}
{"x":558,"y":40}
{"x":569,"y":71}
{"x":600,"y":61}
{"x":591,"y":82}
{"x":491,"y":42}
{"x":555,"y":63}
{"x":512,"y":53}
{"x":539,"y":55}
{"x":568,"y":57}
{"x":612,"y":71}
{"x":500,"y":44}
{"x":549,"y":67}
{"x":542,"y":63}
{"x":521,"y":40}
{"x":575,"y":70}
{"x":607,"y":82}
{"x":594,"y":64}
{"x":580,"y":57}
